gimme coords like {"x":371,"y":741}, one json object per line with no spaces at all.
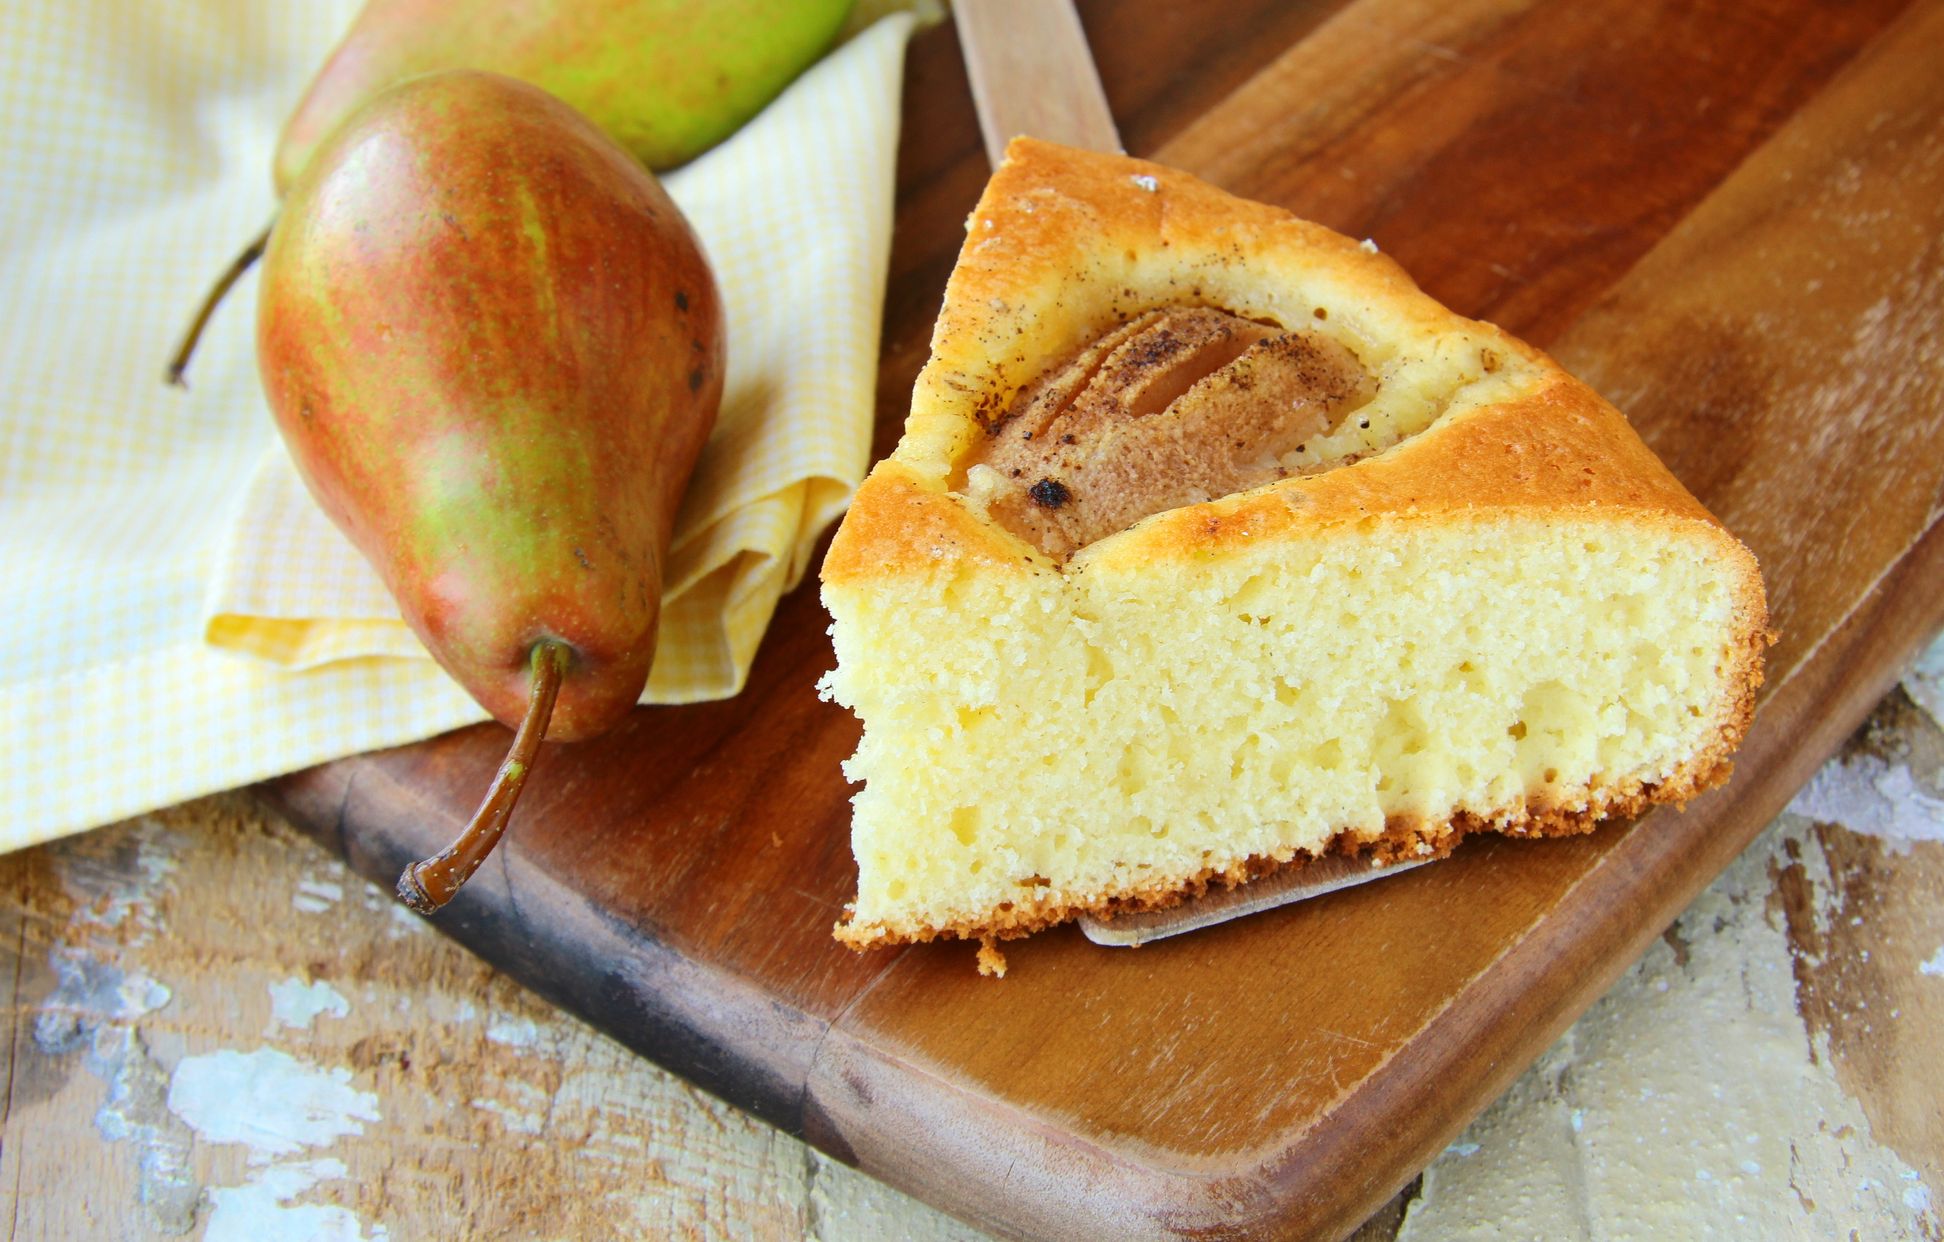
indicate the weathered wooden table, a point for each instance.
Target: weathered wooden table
{"x":215,"y":1026}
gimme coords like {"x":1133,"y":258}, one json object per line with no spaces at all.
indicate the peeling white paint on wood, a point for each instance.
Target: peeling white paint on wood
{"x":1869,"y":794}
{"x":268,"y":1100}
{"x":296,"y":1004}
{"x":1924,"y":683}
{"x":260,"y":1210}
{"x":1680,"y":1104}
{"x":316,"y":896}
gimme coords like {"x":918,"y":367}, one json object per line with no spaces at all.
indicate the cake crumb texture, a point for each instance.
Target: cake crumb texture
{"x":1502,"y":613}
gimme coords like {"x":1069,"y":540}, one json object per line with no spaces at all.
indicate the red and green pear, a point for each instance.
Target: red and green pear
{"x":495,"y":350}
{"x":668,"y":79}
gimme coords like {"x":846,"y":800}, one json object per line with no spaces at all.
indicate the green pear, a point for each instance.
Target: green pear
{"x":668,"y":79}
{"x":495,"y":350}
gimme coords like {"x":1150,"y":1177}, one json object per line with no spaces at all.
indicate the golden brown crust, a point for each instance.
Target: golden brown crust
{"x":1561,"y":449}
{"x":1020,"y":300}
{"x":894,"y":520}
{"x":1056,"y":244}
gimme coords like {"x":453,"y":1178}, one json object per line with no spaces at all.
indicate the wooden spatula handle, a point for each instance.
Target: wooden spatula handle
{"x":1032,"y":74}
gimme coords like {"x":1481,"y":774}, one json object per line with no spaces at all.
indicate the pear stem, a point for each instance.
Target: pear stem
{"x":178,"y":374}
{"x":430,"y":883}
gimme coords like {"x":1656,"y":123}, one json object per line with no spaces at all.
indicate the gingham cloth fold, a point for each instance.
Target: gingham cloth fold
{"x":179,"y":615}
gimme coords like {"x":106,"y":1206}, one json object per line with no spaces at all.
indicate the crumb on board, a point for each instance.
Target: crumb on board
{"x":991,"y":961}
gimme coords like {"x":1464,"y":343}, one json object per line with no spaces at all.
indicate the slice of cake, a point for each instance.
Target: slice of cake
{"x":1212,"y":545}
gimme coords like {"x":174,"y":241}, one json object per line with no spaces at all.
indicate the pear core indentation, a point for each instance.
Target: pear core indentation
{"x":1172,"y":408}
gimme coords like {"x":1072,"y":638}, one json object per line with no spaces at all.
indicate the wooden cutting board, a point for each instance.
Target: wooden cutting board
{"x":1727,"y":216}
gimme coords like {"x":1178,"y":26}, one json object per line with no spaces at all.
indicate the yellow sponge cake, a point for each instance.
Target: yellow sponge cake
{"x":1212,"y":544}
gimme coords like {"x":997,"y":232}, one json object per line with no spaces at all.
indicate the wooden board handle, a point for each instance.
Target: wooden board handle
{"x":1032,"y":74}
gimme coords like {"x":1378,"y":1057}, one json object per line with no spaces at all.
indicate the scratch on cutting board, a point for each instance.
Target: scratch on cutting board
{"x":1348,"y":1039}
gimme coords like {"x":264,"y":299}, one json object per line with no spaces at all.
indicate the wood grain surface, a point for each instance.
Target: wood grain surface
{"x":1725,"y":216}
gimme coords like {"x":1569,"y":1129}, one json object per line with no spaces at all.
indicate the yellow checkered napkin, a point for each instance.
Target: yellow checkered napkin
{"x":178,"y":615}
